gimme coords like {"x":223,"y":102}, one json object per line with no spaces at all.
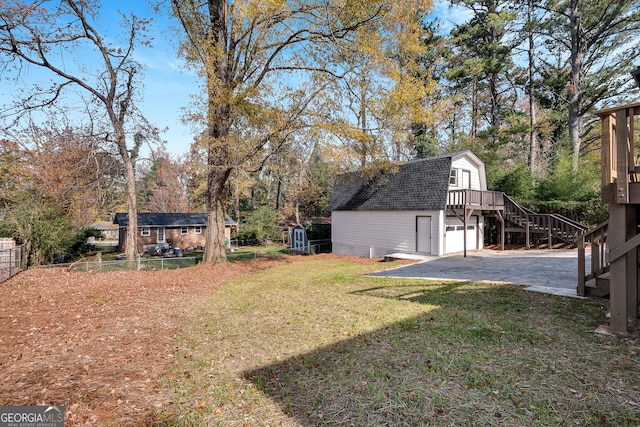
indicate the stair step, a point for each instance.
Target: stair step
{"x":598,"y":286}
{"x":554,"y":226}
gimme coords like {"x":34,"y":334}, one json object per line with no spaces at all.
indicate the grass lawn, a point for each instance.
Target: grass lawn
{"x":313,"y":342}
{"x":245,"y":253}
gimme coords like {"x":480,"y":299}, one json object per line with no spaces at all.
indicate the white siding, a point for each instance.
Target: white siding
{"x":463,"y":163}
{"x":379,"y":233}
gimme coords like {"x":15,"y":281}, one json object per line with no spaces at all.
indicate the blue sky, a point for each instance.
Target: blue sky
{"x":168,"y":86}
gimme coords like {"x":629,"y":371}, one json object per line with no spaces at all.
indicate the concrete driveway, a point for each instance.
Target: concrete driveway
{"x":541,"y":270}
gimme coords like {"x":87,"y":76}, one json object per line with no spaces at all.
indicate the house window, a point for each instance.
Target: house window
{"x":184,"y":230}
{"x":197,"y":230}
{"x":453,"y":177}
{"x":145,"y":232}
{"x":161,"y":235}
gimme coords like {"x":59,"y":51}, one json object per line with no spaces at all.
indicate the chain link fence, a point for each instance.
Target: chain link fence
{"x":314,"y":247}
{"x":12,"y":261}
{"x":141,"y":264}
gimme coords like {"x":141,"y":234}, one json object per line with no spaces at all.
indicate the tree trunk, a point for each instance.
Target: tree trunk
{"x":495,"y":112}
{"x":533,"y":132}
{"x":575,"y":90}
{"x":236,"y":203}
{"x":216,"y":252}
{"x":218,"y":116}
{"x":217,"y":178}
{"x":363,"y":119}
{"x":278,"y":192}
{"x":474,"y":108}
{"x":493,"y":90}
{"x":131,"y":247}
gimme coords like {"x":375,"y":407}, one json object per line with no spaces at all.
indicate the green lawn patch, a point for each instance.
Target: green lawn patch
{"x":314,"y":343}
{"x":245,"y":253}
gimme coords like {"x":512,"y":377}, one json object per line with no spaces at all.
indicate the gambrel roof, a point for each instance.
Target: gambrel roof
{"x":155,"y":219}
{"x":415,"y":185}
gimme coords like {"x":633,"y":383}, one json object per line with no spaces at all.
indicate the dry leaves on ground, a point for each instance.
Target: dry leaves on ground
{"x":97,"y":342}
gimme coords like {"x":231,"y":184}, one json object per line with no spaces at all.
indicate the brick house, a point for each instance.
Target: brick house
{"x":181,"y":230}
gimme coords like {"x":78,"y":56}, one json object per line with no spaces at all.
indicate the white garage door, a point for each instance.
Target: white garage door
{"x":454,"y":235}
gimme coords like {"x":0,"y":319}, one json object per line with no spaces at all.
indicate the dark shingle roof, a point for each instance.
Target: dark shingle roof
{"x":153,"y":219}
{"x":416,"y":185}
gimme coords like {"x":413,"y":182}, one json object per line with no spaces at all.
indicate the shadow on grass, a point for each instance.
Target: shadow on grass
{"x":484,"y":354}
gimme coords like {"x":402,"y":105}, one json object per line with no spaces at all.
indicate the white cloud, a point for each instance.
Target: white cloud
{"x":449,"y":15}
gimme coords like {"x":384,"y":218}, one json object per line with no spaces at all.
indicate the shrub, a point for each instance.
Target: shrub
{"x":260,"y":225}
{"x":518,"y":184}
{"x":566,"y":184}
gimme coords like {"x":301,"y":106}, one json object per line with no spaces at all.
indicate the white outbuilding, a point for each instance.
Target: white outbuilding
{"x":431,"y":206}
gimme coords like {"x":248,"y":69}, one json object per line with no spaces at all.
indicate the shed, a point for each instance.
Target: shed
{"x":299,"y":241}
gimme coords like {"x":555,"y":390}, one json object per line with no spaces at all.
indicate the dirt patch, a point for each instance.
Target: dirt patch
{"x":98,"y":342}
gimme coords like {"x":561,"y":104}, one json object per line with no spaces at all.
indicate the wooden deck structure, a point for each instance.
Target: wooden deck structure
{"x":614,"y":245}
{"x":463,"y":204}
{"x":512,"y":217}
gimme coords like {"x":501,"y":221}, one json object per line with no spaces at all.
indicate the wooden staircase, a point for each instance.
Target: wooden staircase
{"x":594,"y":280}
{"x":549,"y":227}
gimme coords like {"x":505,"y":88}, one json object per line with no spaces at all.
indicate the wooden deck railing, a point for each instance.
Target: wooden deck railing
{"x":553,"y":225}
{"x":515,"y":213}
{"x":619,"y":169}
{"x":458,"y":199}
{"x":597,"y":238}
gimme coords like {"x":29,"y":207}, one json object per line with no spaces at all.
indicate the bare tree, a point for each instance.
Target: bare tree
{"x":63,"y":38}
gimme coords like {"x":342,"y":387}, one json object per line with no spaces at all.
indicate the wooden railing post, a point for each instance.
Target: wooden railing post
{"x":581,"y":267}
{"x":527,"y":232}
{"x":607,"y":155}
{"x":622,"y":161}
{"x":596,"y":256}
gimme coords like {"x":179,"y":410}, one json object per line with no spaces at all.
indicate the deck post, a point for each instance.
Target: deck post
{"x":581,"y":267}
{"x":618,"y":273}
{"x":527,"y":232}
{"x":617,"y":235}
{"x":632,"y":265}
{"x":464,"y":225}
{"x":501,"y":219}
